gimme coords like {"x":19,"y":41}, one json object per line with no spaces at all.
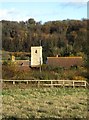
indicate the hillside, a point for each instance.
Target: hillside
{"x":65,"y":38}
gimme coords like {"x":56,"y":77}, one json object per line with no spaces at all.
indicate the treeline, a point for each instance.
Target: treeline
{"x":65,"y":38}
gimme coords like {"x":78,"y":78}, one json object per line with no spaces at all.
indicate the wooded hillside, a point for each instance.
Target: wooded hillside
{"x":65,"y":38}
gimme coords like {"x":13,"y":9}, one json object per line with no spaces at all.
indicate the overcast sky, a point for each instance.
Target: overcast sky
{"x":43,"y":11}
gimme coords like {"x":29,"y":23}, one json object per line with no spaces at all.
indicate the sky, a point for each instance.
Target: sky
{"x":43,"y":11}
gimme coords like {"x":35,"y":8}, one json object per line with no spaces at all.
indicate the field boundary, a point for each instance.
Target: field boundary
{"x":51,"y":83}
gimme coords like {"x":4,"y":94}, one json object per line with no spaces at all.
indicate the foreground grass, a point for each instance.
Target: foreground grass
{"x":45,"y":103}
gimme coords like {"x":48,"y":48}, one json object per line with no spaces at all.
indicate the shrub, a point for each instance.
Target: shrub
{"x":78,"y":78}
{"x":5,"y":63}
{"x":8,"y":72}
{"x":51,"y":68}
{"x":45,"y":75}
{"x":23,"y":57}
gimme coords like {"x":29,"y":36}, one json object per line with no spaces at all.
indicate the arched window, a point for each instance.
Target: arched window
{"x":35,"y":51}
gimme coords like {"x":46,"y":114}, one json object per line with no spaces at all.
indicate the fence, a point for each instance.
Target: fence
{"x":52,"y":83}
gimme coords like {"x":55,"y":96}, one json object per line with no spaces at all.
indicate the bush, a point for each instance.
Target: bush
{"x":8,"y":72}
{"x":5,"y":63}
{"x":52,"y":68}
{"x":79,"y":78}
{"x":23,"y":57}
{"x":45,"y":75}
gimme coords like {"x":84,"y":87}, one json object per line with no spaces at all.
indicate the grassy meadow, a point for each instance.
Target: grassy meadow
{"x":30,"y":103}
{"x":22,"y":101}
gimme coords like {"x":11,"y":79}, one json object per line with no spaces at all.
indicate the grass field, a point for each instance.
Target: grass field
{"x":48,"y":103}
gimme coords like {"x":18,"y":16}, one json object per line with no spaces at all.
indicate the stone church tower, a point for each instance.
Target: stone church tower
{"x":36,"y":56}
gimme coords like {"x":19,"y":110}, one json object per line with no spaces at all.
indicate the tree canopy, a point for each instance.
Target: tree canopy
{"x":65,"y":38}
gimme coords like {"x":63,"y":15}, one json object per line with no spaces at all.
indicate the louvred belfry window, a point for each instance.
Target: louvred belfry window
{"x":35,"y":51}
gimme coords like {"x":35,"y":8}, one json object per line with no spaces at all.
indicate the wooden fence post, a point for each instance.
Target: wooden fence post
{"x":13,"y":82}
{"x":38,"y":83}
{"x":63,"y":84}
{"x":85,"y":84}
{"x":73,"y":84}
{"x":51,"y":83}
{"x":27,"y":82}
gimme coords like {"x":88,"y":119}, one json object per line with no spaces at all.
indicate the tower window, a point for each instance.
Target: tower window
{"x":35,"y":51}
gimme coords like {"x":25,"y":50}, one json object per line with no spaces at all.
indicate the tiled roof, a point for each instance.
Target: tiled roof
{"x":64,"y":61}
